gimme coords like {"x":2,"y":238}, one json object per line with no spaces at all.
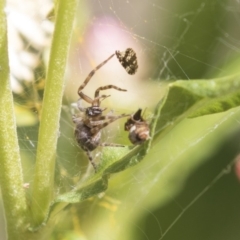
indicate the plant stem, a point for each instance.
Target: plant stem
{"x":43,"y":187}
{"x":11,"y":177}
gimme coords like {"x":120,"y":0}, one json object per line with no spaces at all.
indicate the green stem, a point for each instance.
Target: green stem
{"x":11,"y":177}
{"x":43,"y":186}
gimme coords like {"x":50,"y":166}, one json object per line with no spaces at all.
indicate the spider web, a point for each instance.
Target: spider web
{"x":173,"y":40}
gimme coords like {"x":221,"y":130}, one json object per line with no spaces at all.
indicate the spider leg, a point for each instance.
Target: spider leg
{"x":85,"y":97}
{"x":89,"y":100}
{"x":111,"y":145}
{"x":100,"y":98}
{"x":100,"y":119}
{"x":111,"y":119}
{"x":92,"y":73}
{"x":90,"y":158}
{"x":107,"y":87}
{"x":96,"y":102}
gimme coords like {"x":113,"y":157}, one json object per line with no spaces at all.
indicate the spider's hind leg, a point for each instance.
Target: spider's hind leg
{"x":90,"y":158}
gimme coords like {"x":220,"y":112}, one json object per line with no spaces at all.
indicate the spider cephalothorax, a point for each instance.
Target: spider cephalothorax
{"x":88,"y":128}
{"x":138,"y":128}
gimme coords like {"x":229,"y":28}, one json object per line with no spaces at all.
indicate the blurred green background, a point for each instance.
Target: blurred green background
{"x":155,"y":199}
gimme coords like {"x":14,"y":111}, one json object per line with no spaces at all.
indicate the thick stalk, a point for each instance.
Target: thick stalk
{"x":11,"y":177}
{"x":43,"y":187}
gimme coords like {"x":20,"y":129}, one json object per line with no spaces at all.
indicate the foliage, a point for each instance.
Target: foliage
{"x":203,"y":111}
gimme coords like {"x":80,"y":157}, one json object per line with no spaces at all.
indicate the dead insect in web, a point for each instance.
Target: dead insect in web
{"x":88,"y":128}
{"x":138,"y":128}
{"x":128,"y":59}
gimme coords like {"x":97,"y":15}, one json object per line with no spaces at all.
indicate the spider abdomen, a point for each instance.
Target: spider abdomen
{"x":85,"y":138}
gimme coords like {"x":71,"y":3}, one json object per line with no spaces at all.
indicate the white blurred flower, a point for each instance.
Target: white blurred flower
{"x":29,"y":34}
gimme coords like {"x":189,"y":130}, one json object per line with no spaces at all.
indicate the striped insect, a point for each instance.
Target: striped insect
{"x":138,"y":128}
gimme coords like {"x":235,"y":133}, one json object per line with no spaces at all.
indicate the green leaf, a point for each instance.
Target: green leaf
{"x":163,"y":173}
{"x":98,"y":183}
{"x":197,"y":98}
{"x":183,"y":99}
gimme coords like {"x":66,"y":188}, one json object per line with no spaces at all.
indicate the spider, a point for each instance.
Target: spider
{"x":88,"y":128}
{"x":138,"y":128}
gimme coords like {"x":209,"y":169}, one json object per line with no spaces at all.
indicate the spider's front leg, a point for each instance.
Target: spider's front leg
{"x":108,"y":87}
{"x":92,"y":73}
{"x":110,"y":119}
{"x":85,"y":98}
{"x":111,"y":145}
{"x":88,"y":100}
{"x":105,"y":124}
